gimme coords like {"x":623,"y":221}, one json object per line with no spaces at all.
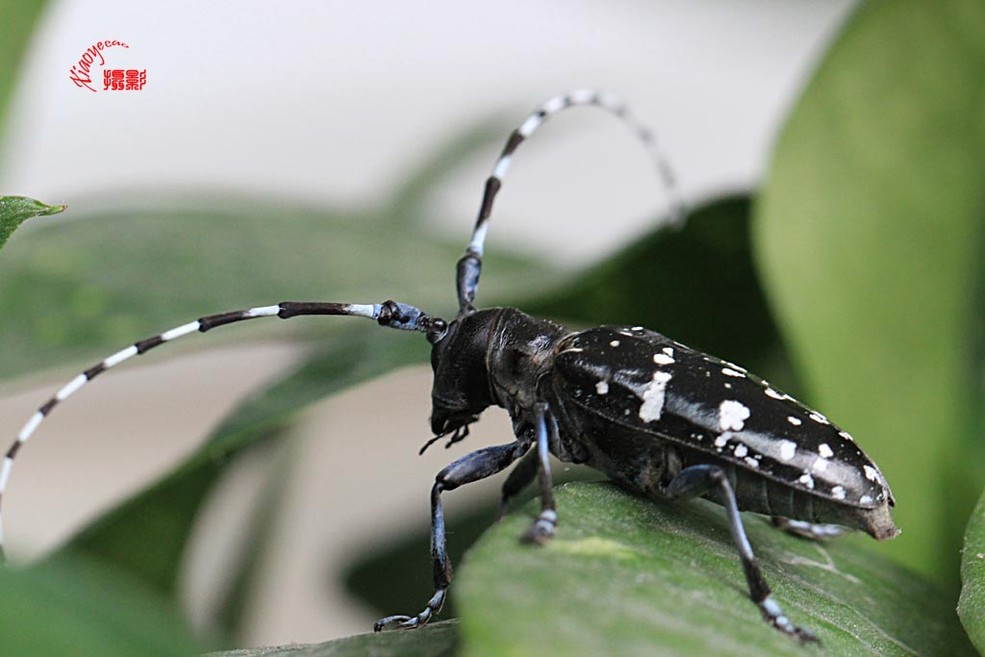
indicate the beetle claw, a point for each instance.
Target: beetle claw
{"x":402,"y":622}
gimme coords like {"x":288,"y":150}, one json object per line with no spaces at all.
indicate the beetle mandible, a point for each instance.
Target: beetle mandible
{"x":656,"y":416}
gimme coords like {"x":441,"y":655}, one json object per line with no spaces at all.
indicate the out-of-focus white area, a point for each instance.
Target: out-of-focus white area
{"x":336,"y":102}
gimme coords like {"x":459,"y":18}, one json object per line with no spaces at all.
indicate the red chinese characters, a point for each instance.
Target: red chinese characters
{"x":119,"y":79}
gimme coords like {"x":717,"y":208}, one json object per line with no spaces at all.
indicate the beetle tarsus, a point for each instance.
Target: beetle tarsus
{"x":772,"y":612}
{"x":542,"y":529}
{"x":401,"y":622}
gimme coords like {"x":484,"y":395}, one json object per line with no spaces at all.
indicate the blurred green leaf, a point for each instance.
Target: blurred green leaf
{"x":435,"y":640}
{"x":15,"y":210}
{"x":19,"y":21}
{"x":869,"y":233}
{"x":146,"y":535}
{"x":695,"y":283}
{"x":408,"y":203}
{"x":81,"y":609}
{"x":627,"y":576}
{"x":87,"y":287}
{"x":971,"y":605}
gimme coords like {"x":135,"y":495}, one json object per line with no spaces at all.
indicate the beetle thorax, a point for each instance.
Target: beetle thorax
{"x":520,"y":351}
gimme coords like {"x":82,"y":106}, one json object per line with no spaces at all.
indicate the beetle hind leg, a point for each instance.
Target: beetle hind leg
{"x":697,"y":480}
{"x":804,"y":529}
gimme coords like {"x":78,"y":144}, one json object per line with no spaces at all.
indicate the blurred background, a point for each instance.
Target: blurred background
{"x":335,"y":105}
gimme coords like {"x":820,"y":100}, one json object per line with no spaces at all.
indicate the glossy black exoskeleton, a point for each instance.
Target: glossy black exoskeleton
{"x":658,"y":417}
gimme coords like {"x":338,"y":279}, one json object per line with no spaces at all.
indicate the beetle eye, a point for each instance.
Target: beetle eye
{"x":437,"y":330}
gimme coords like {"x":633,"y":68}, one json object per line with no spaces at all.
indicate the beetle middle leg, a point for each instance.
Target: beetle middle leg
{"x":519,"y":478}
{"x":536,"y":463}
{"x":697,"y":480}
{"x":477,"y":465}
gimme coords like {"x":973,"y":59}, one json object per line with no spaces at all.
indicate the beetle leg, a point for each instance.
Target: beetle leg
{"x":478,"y":465}
{"x":804,"y":529}
{"x":518,"y":479}
{"x":543,"y":527}
{"x":699,"y":479}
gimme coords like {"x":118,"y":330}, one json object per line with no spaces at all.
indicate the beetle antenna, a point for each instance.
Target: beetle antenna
{"x":391,"y":314}
{"x":470,"y":264}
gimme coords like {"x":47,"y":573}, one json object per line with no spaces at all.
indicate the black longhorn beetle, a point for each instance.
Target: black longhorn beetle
{"x":658,"y":417}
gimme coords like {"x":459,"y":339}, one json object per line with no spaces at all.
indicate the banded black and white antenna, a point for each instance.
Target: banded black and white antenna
{"x":391,"y":314}
{"x":470,"y":265}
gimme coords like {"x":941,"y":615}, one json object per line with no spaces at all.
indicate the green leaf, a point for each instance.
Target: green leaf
{"x":870,"y":234}
{"x":86,"y":610}
{"x":85,"y":288}
{"x":435,"y":640}
{"x":15,"y":210}
{"x":696,"y":283}
{"x":19,"y":21}
{"x":971,"y":605}
{"x":627,"y":576}
{"x":146,"y":535}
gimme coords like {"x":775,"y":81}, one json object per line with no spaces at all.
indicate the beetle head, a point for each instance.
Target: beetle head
{"x":460,"y":391}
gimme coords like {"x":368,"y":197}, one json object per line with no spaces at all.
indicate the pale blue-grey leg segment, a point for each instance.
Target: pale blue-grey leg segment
{"x":478,"y":465}
{"x":543,"y":527}
{"x":813,"y":531}
{"x":697,"y":480}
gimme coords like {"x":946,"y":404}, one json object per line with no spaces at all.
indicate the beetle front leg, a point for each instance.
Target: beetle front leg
{"x":478,"y":465}
{"x":697,"y":480}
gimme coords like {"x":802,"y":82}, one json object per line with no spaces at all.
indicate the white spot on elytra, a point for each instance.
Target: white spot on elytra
{"x":825,"y":451}
{"x":741,"y":450}
{"x":838,"y":492}
{"x":653,"y":397}
{"x":846,"y":435}
{"x":614,"y":343}
{"x":663,"y":359}
{"x":787,"y":449}
{"x":794,"y":421}
{"x":721,"y":440}
{"x":819,"y":465}
{"x":871,"y":473}
{"x":669,"y":351}
{"x":773,"y":393}
{"x":807,"y":480}
{"x":727,"y":371}
{"x":751,"y":462}
{"x":732,"y":415}
{"x":817,"y":417}
{"x":636,"y":328}
{"x":865,"y":499}
{"x":602,"y":387}
{"x":728,"y":386}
